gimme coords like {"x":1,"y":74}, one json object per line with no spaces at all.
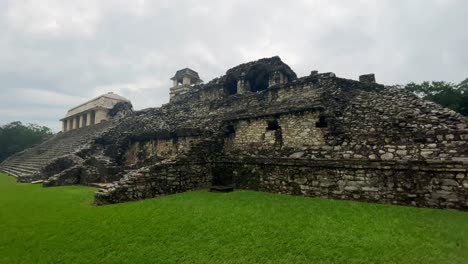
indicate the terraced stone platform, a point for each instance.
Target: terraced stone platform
{"x":25,"y":164}
{"x":259,"y":127}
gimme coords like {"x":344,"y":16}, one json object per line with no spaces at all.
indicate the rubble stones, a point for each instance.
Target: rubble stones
{"x":367,"y":78}
{"x":387,"y":156}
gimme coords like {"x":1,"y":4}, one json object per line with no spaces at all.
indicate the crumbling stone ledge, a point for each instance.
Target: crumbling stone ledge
{"x":436,"y":184}
{"x":157,"y":180}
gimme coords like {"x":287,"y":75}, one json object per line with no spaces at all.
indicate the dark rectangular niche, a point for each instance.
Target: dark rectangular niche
{"x":321,"y":123}
{"x":272,"y":125}
{"x":230,"y":130}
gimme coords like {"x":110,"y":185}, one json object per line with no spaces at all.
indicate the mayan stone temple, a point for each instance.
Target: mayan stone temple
{"x":92,"y":112}
{"x":260,"y":127}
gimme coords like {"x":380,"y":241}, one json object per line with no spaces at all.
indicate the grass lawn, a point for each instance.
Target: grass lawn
{"x":60,"y":225}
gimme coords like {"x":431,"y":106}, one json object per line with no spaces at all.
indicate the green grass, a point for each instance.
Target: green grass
{"x":60,"y":225}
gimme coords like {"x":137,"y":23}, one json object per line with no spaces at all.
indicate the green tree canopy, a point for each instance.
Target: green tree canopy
{"x":15,"y":137}
{"x":453,"y":96}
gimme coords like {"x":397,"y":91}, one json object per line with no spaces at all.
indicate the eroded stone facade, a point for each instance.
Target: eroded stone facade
{"x":260,"y":127}
{"x":318,"y":136}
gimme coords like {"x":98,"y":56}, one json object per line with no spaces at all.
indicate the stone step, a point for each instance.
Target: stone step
{"x":39,"y":159}
{"x":32,"y":161}
{"x":15,"y":166}
{"x":37,"y":182}
{"x":27,"y":164}
{"x":35,"y":158}
{"x":13,"y":172}
{"x":29,"y":168}
{"x":223,"y":189}
{"x":21,"y":170}
{"x":9,"y":172}
{"x":100,"y":185}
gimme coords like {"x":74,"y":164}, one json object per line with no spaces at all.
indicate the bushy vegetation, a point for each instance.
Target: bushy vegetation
{"x":15,"y":137}
{"x":60,"y":225}
{"x":453,"y":96}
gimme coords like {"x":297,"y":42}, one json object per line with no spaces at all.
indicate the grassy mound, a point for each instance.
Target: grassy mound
{"x":60,"y":225}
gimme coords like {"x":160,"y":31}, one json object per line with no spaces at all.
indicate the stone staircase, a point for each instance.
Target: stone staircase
{"x":25,"y":164}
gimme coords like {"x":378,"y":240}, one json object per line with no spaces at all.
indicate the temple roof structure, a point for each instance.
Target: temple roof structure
{"x":187,"y":72}
{"x":99,"y":101}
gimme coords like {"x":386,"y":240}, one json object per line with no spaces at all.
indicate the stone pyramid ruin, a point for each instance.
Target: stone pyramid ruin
{"x":260,"y":127}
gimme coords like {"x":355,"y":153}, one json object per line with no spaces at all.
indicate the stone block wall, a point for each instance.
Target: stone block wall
{"x":101,"y":115}
{"x":300,"y":129}
{"x":434,"y":184}
{"x":318,"y":136}
{"x":158,"y":149}
{"x":157,"y":180}
{"x":392,"y":124}
{"x":296,"y":130}
{"x":212,"y":94}
{"x":362,"y":121}
{"x":249,"y":132}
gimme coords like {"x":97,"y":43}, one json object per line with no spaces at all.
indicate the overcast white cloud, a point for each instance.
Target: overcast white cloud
{"x":55,"y":54}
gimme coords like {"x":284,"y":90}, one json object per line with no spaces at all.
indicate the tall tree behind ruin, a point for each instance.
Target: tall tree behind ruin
{"x":16,"y":136}
{"x":453,"y":96}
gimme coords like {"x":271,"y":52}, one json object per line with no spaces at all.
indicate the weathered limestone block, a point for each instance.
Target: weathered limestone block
{"x":69,"y":176}
{"x":153,"y":181}
{"x":387,"y":156}
{"x":60,"y":164}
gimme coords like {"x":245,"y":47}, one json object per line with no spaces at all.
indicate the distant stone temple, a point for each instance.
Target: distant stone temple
{"x":182,"y":81}
{"x":261,"y":127}
{"x":91,"y":112}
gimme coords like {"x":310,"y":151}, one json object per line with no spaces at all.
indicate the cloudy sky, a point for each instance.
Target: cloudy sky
{"x":55,"y":54}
